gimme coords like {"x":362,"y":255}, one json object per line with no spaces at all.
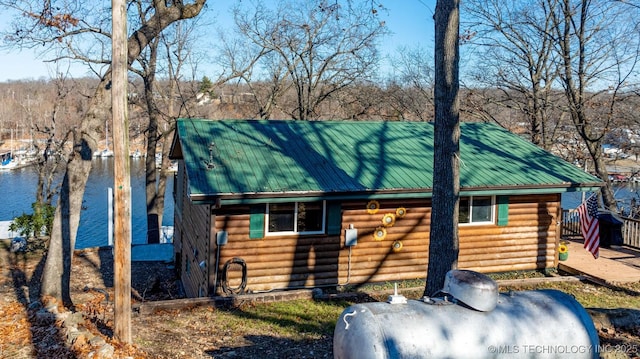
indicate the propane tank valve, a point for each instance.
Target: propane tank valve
{"x":396,"y":298}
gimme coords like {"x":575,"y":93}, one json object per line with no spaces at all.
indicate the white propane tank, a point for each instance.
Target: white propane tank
{"x":523,"y":324}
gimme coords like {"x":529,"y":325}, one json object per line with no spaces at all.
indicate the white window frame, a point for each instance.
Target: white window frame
{"x":471,"y":222}
{"x":295,"y":221}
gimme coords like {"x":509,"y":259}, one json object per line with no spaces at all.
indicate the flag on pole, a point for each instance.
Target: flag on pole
{"x":589,"y":224}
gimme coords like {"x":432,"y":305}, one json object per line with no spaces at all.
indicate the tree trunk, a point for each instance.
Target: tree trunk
{"x":600,"y":168}
{"x":151,"y":173}
{"x":57,"y":272}
{"x":167,"y":137}
{"x":443,"y":243}
{"x":153,"y":229}
{"x":156,"y":181}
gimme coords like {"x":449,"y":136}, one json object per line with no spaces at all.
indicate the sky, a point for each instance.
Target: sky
{"x":410,"y":21}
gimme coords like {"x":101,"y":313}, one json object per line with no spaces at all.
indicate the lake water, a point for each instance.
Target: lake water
{"x":623,"y":192}
{"x":18,"y":192}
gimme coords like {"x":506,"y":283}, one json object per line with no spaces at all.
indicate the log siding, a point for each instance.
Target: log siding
{"x":527,"y":240}
{"x":192,"y":247}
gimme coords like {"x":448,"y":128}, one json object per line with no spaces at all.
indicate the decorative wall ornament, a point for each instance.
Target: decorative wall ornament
{"x":400,"y":212}
{"x":389,"y":220}
{"x":380,"y":233}
{"x":373,"y":206}
{"x":396,"y":246}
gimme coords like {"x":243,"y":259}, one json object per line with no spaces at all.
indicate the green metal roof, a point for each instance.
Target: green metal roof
{"x":241,"y":160}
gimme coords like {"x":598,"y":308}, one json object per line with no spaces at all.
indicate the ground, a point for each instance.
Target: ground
{"x":29,"y":330}
{"x":30,"y":334}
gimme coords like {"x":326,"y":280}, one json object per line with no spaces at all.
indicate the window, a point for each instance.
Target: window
{"x":296,"y":218}
{"x":476,"y":210}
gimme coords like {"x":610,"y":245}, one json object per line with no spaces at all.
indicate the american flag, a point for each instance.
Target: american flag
{"x":589,"y":224}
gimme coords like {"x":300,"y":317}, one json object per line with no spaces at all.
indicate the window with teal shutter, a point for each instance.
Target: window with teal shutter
{"x":256,"y":221}
{"x":503,"y":210}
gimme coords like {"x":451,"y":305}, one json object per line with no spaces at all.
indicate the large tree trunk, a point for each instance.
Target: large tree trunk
{"x":600,"y":168}
{"x":153,"y":224}
{"x":57,"y":271}
{"x":162,"y":175}
{"x":155,"y":185}
{"x":155,"y":180}
{"x":443,"y":242}
{"x":151,"y":173}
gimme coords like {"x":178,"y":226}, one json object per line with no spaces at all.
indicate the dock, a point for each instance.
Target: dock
{"x":614,"y":266}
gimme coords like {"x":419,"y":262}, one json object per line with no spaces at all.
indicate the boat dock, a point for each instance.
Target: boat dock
{"x":615,"y":265}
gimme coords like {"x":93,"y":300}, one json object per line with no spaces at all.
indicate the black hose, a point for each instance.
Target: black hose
{"x":225,"y":277}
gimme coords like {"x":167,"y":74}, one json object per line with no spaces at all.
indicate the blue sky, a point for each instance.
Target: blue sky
{"x":410,"y":21}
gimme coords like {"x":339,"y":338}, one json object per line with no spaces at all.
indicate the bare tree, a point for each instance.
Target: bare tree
{"x":411,"y":87}
{"x":63,"y":27}
{"x":517,"y":59}
{"x":444,"y":241}
{"x":597,"y":43}
{"x":49,"y":155}
{"x":162,"y":110}
{"x":242,"y":64}
{"x":363,"y":101}
{"x":538,"y":50}
{"x":316,"y":48}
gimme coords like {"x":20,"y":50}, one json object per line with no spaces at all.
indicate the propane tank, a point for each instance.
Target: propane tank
{"x":469,"y":319}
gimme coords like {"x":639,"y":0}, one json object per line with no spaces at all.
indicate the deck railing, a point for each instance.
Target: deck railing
{"x":570,"y":228}
{"x":631,"y":232}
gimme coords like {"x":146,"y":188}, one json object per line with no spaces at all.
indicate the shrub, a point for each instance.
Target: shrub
{"x":36,"y":224}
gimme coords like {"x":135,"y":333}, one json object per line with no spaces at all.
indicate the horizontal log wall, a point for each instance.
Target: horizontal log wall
{"x":192,"y":245}
{"x":528,"y":241}
{"x":374,"y":260}
{"x":275,"y":262}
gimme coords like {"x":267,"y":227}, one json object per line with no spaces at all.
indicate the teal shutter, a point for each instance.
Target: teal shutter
{"x":503,"y":210}
{"x":334,"y":217}
{"x":256,"y":221}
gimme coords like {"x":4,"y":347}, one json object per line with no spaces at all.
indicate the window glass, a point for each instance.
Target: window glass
{"x":481,"y":209}
{"x":310,"y":216}
{"x":475,"y":210}
{"x":296,"y":217}
{"x":281,"y":217}
{"x":464,"y":214}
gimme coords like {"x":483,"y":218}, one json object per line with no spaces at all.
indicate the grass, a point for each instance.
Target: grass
{"x":593,"y":295}
{"x":306,"y":317}
{"x":296,"y":317}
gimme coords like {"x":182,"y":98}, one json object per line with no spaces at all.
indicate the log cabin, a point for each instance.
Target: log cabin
{"x":275,"y":205}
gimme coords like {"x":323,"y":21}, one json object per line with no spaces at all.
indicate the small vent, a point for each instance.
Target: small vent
{"x":210,"y":164}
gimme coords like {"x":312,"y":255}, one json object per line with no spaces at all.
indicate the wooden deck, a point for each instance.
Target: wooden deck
{"x":615,"y":265}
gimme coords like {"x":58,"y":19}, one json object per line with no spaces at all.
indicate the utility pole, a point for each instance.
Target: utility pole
{"x":122,"y":174}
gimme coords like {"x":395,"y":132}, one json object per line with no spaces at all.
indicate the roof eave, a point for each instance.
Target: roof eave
{"x":275,"y":197}
{"x":175,"y":151}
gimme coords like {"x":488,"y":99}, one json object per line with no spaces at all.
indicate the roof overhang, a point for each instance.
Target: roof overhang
{"x":219,"y":200}
{"x":175,"y":152}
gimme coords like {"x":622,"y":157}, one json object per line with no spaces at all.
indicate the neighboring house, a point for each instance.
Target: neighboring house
{"x":267,"y":205}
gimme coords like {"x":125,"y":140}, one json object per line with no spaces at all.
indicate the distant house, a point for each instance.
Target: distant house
{"x":269,"y":205}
